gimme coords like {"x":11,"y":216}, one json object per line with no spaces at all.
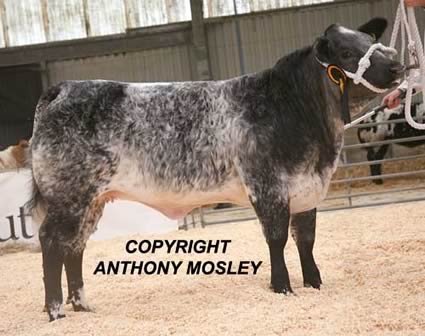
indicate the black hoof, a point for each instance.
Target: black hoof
{"x":55,"y":311}
{"x":379,"y":181}
{"x":57,"y":317}
{"x":80,"y":308}
{"x":282,"y":288}
{"x":313,"y":280}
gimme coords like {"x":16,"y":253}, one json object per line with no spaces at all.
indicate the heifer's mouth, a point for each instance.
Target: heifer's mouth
{"x":386,"y":78}
{"x":402,"y":70}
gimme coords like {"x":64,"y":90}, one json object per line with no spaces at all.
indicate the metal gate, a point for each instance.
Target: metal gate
{"x":401,"y":180}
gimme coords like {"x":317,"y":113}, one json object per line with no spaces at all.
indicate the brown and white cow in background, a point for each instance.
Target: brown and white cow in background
{"x":14,"y":157}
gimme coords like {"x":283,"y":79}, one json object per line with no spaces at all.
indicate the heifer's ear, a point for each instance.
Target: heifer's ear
{"x":375,"y":27}
{"x":332,"y":26}
{"x":322,"y":49}
{"x":23,"y":143}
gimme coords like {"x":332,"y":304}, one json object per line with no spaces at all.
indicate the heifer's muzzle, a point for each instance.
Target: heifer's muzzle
{"x":364,"y":64}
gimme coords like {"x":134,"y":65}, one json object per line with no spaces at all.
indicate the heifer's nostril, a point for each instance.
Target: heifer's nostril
{"x":397,"y":68}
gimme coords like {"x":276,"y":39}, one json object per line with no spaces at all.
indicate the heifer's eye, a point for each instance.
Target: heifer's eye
{"x":346,"y":54}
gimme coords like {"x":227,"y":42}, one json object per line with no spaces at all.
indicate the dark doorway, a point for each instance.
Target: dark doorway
{"x":20,"y":88}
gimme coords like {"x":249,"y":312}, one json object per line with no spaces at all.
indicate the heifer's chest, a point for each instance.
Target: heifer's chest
{"x":306,"y":191}
{"x":308,"y":187}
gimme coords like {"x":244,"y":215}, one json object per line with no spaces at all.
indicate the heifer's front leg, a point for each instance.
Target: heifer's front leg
{"x":303,"y":230}
{"x":271,"y":206}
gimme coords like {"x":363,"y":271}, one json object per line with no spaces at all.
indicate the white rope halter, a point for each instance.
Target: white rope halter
{"x":416,"y":54}
{"x":364,"y":64}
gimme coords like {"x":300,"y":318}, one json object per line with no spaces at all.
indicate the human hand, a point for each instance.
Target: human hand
{"x":392,"y":100}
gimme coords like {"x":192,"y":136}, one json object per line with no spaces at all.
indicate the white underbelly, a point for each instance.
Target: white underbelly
{"x":176,"y":205}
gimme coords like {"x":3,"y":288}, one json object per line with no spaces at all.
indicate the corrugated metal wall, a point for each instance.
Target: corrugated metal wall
{"x":24,"y":22}
{"x":213,"y":8}
{"x":264,"y":39}
{"x":69,"y":14}
{"x":267,"y":37}
{"x":165,"y":64}
{"x":37,"y":21}
{"x":108,"y":15}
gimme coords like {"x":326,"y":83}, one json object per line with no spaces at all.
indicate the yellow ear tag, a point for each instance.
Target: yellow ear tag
{"x":337,"y":75}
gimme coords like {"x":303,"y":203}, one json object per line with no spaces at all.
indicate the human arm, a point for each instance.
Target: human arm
{"x":414,"y":3}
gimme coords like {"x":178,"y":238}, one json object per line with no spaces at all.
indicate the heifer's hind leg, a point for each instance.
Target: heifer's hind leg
{"x":52,"y":270}
{"x":303,"y":230}
{"x":74,"y":274}
{"x":74,"y":261}
{"x":54,"y":236}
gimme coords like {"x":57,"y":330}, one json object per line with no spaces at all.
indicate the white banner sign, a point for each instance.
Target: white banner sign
{"x":119,"y":218}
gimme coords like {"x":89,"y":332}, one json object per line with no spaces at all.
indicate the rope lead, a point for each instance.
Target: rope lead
{"x":416,"y":55}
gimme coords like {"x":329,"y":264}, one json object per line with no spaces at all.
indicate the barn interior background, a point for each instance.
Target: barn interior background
{"x":43,"y":42}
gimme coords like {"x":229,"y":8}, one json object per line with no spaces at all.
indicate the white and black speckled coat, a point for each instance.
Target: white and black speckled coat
{"x":269,"y":140}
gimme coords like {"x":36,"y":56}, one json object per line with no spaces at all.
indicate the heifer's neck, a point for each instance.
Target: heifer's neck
{"x":301,"y":81}
{"x":308,"y":103}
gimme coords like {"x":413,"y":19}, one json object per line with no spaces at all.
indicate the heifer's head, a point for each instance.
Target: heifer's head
{"x":345,"y":47}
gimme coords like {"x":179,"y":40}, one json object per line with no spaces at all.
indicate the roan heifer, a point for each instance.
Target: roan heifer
{"x":389,"y":131}
{"x":269,"y":140}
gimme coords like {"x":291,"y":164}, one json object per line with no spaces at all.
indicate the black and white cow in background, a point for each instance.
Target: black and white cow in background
{"x":389,"y":132}
{"x":269,"y":140}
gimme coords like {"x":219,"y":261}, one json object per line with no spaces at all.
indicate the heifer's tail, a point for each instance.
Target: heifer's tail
{"x":36,"y":205}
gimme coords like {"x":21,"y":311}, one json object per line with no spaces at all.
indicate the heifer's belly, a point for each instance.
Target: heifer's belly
{"x":177,"y":205}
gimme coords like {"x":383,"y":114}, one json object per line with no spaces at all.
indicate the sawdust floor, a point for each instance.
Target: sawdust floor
{"x":372,"y":263}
